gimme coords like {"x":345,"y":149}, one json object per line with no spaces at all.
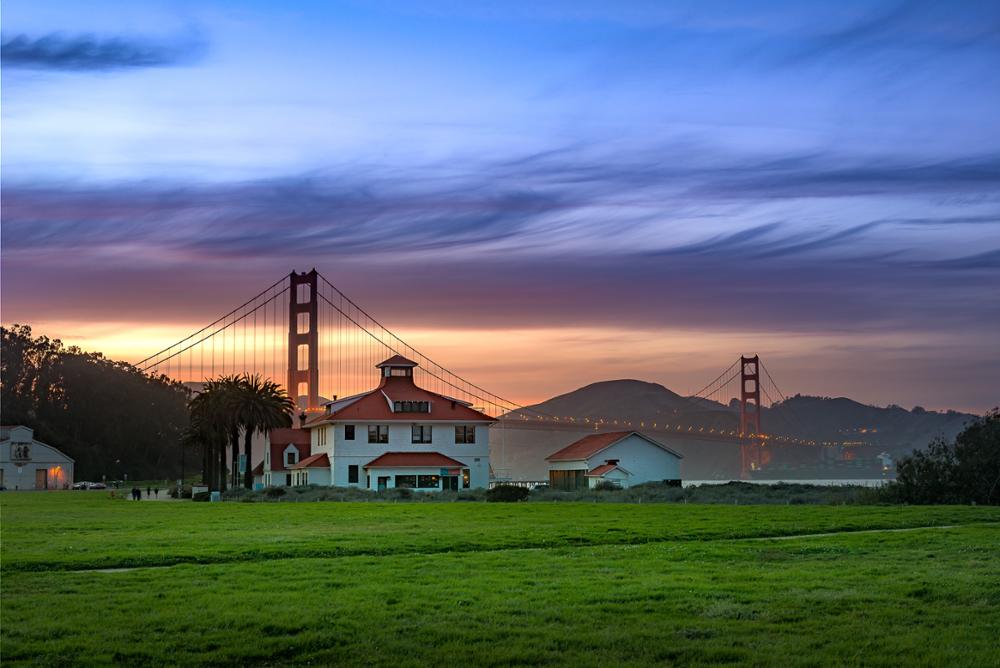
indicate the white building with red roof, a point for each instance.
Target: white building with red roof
{"x":397,"y":435}
{"x":620,"y":458}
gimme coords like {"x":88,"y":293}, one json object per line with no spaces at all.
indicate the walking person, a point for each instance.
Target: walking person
{"x":156,"y":492}
{"x":149,"y":492}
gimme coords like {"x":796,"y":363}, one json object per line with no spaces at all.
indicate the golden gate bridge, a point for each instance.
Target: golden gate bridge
{"x":307,"y":335}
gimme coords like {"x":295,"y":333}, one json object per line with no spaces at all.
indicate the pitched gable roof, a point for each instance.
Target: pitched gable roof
{"x":588,"y":446}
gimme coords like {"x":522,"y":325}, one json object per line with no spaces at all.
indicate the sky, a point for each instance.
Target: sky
{"x":539,"y":195}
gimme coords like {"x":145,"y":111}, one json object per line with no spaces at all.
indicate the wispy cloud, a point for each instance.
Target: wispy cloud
{"x":60,"y":51}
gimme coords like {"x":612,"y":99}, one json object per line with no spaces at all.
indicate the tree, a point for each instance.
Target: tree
{"x":109,"y":416}
{"x":966,"y":471}
{"x":208,"y":426}
{"x":259,"y":405}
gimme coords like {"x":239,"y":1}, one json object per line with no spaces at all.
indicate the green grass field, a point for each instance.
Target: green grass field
{"x":495,"y":584}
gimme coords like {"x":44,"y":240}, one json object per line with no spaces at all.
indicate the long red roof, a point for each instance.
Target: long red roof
{"x":588,"y":446}
{"x":413,"y":459}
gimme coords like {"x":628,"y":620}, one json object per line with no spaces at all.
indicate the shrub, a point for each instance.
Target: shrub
{"x":201,"y":496}
{"x":966,"y":471}
{"x":274,"y":492}
{"x":507,"y":494}
{"x":607,"y":486}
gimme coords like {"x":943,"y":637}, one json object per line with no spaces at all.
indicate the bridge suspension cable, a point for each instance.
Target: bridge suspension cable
{"x":256,"y":337}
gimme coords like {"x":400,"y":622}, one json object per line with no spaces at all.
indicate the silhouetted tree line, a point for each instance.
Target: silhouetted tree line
{"x":108,"y":416}
{"x":966,"y":470}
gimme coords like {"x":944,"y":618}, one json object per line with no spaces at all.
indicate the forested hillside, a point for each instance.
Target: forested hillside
{"x":108,"y":416}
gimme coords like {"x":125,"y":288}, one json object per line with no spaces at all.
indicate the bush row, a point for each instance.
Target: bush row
{"x":739,"y":493}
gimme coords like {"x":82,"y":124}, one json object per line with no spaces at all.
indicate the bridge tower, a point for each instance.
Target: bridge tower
{"x":750,"y":414}
{"x":303,"y":338}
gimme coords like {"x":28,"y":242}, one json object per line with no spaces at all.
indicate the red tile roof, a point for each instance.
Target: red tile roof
{"x":376,"y":406}
{"x":588,"y":446}
{"x":413,"y":459}
{"x":286,"y":436}
{"x":602,"y":469}
{"x":316,"y":461}
{"x":258,"y":470}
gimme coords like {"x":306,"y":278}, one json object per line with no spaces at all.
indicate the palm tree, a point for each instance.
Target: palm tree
{"x":258,"y":405}
{"x":213,"y":422}
{"x":208,"y":428}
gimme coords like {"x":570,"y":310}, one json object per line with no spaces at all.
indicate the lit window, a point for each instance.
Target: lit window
{"x":428,"y":482}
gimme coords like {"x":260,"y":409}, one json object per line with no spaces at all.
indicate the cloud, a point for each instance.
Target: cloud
{"x":87,"y":52}
{"x":558,"y":238}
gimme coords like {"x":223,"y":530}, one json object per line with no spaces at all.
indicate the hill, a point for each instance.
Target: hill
{"x":818,"y":418}
{"x":870,"y":431}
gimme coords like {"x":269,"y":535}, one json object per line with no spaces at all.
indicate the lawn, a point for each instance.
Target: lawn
{"x":495,"y":584}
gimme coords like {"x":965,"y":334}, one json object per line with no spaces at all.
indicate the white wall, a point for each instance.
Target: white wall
{"x":645,"y":461}
{"x":343,"y":453}
{"x":59,"y":467}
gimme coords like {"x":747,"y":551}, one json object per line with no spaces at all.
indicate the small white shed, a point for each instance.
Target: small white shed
{"x":26,"y":463}
{"x":621,"y":458}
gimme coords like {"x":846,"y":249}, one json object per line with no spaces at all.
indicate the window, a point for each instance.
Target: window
{"x":352,"y":473}
{"x":321,"y":440}
{"x":378,"y":433}
{"x":291,"y":457}
{"x":465,"y":478}
{"x":406,"y":481}
{"x":411,"y":407}
{"x":397,"y":371}
{"x":421,"y":433}
{"x":465,"y":434}
{"x":348,"y":432}
{"x":428,"y":481}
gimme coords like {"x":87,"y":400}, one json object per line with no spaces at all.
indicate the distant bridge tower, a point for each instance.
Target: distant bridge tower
{"x":303,"y":339}
{"x":750,"y":448}
{"x":750,"y":395}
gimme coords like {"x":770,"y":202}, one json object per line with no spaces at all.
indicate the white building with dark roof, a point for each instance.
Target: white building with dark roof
{"x":396,"y":435}
{"x":620,"y":458}
{"x":27,"y":464}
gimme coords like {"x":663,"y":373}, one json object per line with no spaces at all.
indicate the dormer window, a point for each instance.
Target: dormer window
{"x":401,"y":372}
{"x":411,"y":407}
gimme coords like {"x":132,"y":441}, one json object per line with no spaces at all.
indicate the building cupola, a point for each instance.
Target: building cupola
{"x":397,"y":366}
